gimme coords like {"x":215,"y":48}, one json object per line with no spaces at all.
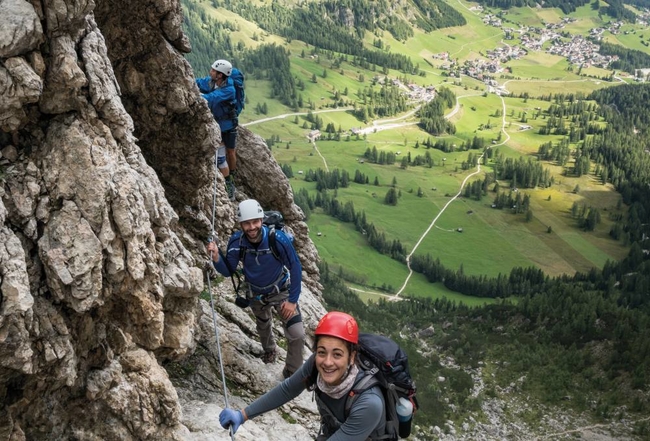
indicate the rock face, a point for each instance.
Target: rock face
{"x":107,"y":180}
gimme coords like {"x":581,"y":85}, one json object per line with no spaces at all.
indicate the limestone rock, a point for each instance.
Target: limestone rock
{"x":20,"y":86}
{"x":20,"y":28}
{"x":108,"y":177}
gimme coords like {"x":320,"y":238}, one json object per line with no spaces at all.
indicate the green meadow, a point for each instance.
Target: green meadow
{"x":539,"y":87}
{"x":631,"y":37}
{"x":492,"y":241}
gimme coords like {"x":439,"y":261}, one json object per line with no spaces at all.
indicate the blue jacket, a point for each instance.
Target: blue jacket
{"x":220,"y":100}
{"x":261,"y":268}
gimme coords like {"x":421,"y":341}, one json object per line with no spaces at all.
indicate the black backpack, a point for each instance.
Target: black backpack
{"x":386,"y":365}
{"x":275,"y":221}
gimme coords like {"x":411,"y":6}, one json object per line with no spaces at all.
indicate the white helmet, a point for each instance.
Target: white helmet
{"x":222,"y":66}
{"x":249,"y":209}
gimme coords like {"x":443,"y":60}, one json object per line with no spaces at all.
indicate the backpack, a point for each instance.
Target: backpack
{"x":240,"y":95}
{"x":275,"y":221}
{"x":386,"y":365}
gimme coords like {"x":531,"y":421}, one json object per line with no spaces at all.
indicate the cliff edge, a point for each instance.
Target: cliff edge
{"x":107,"y":194}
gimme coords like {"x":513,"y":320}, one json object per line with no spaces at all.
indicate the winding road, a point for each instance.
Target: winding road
{"x":462,"y":185}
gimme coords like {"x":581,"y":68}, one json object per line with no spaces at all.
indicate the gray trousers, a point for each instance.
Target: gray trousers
{"x":294,"y":330}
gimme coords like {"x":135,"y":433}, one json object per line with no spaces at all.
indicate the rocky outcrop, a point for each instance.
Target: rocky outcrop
{"x":107,"y":181}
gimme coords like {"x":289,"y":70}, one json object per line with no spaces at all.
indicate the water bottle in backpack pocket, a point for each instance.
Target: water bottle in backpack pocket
{"x":405,"y":416}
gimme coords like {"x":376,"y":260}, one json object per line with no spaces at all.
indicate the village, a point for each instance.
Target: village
{"x":578,"y":50}
{"x":417,"y":95}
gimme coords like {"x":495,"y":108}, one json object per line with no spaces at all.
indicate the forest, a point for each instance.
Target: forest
{"x":337,"y":18}
{"x":209,"y":36}
{"x":432,"y":114}
{"x":629,"y":59}
{"x":617,"y":10}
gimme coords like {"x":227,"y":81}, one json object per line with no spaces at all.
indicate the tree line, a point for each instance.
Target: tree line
{"x":621,"y":152}
{"x":617,"y":10}
{"x":329,"y":33}
{"x":345,"y":212}
{"x":522,"y":172}
{"x":432,"y":114}
{"x":628,"y":59}
{"x":387,"y":101}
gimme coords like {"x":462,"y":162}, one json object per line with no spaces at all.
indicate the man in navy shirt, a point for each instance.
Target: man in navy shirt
{"x":274,"y":282}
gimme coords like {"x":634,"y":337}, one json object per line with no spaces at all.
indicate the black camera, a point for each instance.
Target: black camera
{"x":242,"y":302}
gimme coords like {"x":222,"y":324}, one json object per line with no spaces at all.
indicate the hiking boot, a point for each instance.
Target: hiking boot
{"x":230,"y":189}
{"x":269,"y":356}
{"x":286,"y":373}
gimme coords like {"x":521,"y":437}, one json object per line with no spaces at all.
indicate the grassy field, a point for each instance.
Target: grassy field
{"x":631,"y":37}
{"x":477,"y":117}
{"x":539,"y":87}
{"x":492,"y":241}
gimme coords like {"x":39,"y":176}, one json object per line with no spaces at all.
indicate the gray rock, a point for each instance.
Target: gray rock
{"x":101,"y":250}
{"x":20,"y":28}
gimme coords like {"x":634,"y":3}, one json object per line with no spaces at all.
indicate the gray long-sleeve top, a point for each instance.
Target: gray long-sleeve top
{"x":366,"y":415}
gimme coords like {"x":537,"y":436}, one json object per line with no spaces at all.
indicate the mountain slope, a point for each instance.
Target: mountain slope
{"x":108,"y":178}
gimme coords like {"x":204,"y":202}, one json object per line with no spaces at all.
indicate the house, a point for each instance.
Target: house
{"x":313,"y":135}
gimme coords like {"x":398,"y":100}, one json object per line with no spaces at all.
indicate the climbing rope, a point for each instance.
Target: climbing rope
{"x":213,"y":237}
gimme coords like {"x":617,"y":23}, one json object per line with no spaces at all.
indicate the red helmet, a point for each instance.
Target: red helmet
{"x":340,"y":325}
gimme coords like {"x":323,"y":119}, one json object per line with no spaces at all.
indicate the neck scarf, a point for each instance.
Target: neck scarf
{"x":343,"y":387}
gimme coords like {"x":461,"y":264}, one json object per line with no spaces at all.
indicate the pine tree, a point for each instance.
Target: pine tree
{"x":391,"y":197}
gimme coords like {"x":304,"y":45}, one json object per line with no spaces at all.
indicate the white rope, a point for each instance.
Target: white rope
{"x":211,"y":238}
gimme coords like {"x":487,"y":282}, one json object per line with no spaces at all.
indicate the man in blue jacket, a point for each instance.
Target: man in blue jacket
{"x":274,"y":283}
{"x":219,"y":91}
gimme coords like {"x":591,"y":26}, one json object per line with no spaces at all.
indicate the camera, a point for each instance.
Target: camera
{"x":242,"y":302}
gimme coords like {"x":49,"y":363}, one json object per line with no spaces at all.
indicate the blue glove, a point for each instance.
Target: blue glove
{"x":231,"y":418}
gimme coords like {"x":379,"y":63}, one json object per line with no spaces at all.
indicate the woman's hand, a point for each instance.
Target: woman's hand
{"x":231,"y":419}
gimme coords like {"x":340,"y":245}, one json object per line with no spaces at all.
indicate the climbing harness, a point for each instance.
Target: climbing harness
{"x":281,"y":283}
{"x":211,"y":238}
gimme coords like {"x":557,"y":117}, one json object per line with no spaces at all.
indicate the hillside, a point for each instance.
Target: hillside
{"x":511,"y":183}
{"x":363,"y":112}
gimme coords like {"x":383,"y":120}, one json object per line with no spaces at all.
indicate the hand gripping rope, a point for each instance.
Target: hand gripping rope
{"x":212,"y":237}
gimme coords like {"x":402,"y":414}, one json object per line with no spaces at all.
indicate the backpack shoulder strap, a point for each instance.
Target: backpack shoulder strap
{"x":234,"y":274}
{"x":273,"y":244}
{"x":366,"y":382}
{"x":242,"y":249}
{"x":238,"y":236}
